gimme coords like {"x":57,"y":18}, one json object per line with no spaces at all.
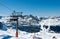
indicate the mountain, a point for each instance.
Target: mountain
{"x":28,"y":23}
{"x":51,"y":21}
{"x":27,"y":20}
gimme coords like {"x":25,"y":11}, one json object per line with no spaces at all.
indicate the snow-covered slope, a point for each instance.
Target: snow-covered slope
{"x":50,"y":21}
{"x":29,"y":20}
{"x":10,"y":34}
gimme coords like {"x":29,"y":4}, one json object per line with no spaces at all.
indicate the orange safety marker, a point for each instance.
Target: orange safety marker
{"x":16,"y":34}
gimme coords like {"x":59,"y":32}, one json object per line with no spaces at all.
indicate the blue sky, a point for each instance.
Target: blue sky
{"x":34,"y":7}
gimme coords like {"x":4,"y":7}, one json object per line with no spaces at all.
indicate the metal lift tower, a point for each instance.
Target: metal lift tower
{"x":14,"y":17}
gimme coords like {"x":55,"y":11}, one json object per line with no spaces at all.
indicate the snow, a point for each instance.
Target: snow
{"x":11,"y":32}
{"x":50,"y":22}
{"x":44,"y":34}
{"x":25,"y":35}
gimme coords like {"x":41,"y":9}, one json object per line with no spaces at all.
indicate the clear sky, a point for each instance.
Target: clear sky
{"x":34,"y":7}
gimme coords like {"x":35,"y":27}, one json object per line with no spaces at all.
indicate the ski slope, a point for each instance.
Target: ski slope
{"x":10,"y":34}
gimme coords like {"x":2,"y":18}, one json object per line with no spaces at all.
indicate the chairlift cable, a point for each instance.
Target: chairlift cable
{"x":5,"y":6}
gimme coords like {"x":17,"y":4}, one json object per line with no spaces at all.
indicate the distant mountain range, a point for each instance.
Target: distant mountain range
{"x":26,"y":20}
{"x":29,"y":22}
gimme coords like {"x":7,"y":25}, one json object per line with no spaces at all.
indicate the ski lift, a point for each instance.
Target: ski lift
{"x":13,"y":19}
